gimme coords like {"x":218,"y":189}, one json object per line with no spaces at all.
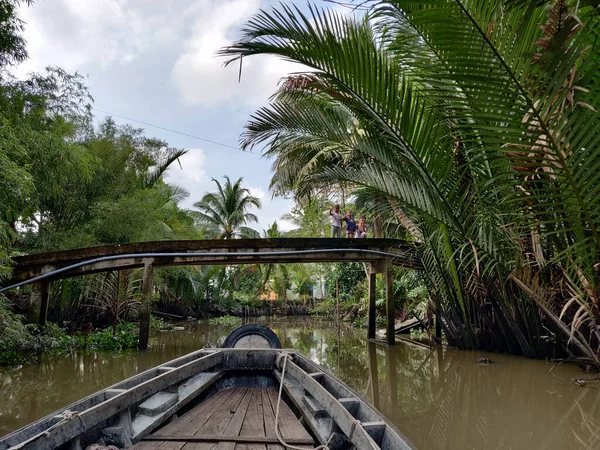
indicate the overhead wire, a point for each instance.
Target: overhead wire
{"x":176,"y":132}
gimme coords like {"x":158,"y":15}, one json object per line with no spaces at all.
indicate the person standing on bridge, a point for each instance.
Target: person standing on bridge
{"x":350,"y":224}
{"x":362,"y":228}
{"x":336,"y":221}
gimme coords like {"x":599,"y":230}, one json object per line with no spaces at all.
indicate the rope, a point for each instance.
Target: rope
{"x":279,"y":438}
{"x":66,"y":415}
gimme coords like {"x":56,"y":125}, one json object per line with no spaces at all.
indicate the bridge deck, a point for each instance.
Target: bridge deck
{"x":30,"y":266}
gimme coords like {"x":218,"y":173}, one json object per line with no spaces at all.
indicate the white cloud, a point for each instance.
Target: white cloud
{"x":271,"y":211}
{"x":198,"y":73}
{"x":191,"y":175}
{"x":258,"y":192}
{"x":74,"y":33}
{"x":192,"y":164}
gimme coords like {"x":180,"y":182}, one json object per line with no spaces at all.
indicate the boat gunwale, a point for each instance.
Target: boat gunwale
{"x":91,"y":397}
{"x":359,"y":397}
{"x":168,"y":376}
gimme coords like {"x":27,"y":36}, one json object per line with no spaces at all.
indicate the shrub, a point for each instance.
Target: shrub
{"x":158,"y":324}
{"x":126,"y":336}
{"x":21,"y":343}
{"x":225,"y":320}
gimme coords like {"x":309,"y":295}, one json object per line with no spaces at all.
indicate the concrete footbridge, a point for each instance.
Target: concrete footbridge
{"x":381,"y":255}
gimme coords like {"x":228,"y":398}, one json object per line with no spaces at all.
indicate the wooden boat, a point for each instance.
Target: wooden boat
{"x":251,"y":395}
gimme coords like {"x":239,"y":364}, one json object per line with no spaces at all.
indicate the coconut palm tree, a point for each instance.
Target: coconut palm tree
{"x":272,"y":232}
{"x":475,"y":122}
{"x":225,"y":212}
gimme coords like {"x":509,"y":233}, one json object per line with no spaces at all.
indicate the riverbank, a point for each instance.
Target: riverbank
{"x":22,"y":343}
{"x":440,"y":398}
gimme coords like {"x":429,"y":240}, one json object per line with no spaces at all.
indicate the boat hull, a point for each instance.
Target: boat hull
{"x":136,"y":410}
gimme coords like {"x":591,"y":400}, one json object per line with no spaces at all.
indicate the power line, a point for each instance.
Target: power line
{"x":174,"y":131}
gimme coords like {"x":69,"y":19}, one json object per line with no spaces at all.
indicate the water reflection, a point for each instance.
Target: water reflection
{"x":438,"y":398}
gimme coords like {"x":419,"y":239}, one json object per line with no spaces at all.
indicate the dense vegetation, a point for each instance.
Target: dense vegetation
{"x":473,"y":125}
{"x":69,"y":180}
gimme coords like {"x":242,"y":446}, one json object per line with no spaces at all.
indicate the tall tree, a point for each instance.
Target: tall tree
{"x":225,"y":211}
{"x":12,"y":44}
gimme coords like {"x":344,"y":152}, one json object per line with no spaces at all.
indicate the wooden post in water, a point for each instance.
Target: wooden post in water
{"x":372,"y":314}
{"x":337,"y":301}
{"x":146,"y":304}
{"x":438,"y":327}
{"x":389,"y":303}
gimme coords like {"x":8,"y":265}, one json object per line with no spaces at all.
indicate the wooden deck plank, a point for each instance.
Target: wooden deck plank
{"x":197,"y":415}
{"x":147,"y":445}
{"x":200,"y":446}
{"x":214,"y":438}
{"x":235,"y":425}
{"x":268,"y":415}
{"x":254,"y":424}
{"x":289,"y":424}
{"x":217,"y":424}
{"x":234,"y":413}
{"x":158,"y":445}
{"x":269,"y":418}
{"x":172,"y":445}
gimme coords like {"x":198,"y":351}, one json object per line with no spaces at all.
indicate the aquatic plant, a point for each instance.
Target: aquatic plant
{"x":225,"y":320}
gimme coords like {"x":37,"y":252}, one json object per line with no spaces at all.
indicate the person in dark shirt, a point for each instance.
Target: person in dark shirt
{"x":350,"y":224}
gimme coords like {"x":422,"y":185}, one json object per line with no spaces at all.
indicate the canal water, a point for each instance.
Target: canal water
{"x":440,"y":399}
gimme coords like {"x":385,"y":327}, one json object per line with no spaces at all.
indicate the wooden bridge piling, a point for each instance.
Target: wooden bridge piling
{"x":390,"y":305}
{"x":371,"y":326}
{"x":384,"y":267}
{"x":38,"y":302}
{"x":146,"y":303}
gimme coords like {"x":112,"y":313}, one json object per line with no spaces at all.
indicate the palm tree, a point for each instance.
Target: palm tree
{"x":475,"y":120}
{"x":225,"y":211}
{"x":272,"y":232}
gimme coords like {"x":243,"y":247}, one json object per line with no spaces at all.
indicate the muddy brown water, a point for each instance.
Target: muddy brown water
{"x":440,"y":399}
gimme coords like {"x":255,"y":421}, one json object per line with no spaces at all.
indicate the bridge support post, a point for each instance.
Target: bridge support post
{"x":146,"y":304}
{"x":38,"y":302}
{"x":389,"y":303}
{"x":372,"y":312}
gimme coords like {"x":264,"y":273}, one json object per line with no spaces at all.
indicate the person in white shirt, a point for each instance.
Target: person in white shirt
{"x":336,"y":221}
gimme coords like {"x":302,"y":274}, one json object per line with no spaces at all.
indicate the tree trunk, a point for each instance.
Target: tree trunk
{"x":265,"y":281}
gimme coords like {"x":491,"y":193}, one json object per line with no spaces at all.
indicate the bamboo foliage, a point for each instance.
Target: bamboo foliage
{"x":476,"y":122}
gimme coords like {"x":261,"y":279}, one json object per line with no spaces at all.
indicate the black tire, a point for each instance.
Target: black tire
{"x":252,"y":329}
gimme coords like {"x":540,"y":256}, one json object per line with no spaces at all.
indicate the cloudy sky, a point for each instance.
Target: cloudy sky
{"x":154,"y":61}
